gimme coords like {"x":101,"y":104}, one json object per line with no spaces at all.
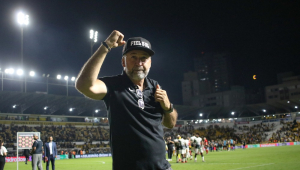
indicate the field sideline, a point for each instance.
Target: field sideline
{"x":270,"y":158}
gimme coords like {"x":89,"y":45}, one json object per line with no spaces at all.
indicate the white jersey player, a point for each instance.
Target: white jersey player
{"x":198,"y":147}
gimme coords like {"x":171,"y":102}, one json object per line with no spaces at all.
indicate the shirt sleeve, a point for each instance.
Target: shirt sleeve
{"x":34,"y":144}
{"x":111,"y":83}
{"x":4,"y":150}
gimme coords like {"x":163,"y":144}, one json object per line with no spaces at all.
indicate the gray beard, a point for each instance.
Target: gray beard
{"x":137,"y":76}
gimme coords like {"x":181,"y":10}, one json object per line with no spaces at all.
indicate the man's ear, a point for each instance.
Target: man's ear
{"x":123,"y":61}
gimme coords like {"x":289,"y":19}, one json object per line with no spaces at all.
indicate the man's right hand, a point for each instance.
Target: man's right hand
{"x":115,"y":39}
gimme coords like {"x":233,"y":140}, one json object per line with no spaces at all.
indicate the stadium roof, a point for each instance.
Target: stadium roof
{"x":34,"y":103}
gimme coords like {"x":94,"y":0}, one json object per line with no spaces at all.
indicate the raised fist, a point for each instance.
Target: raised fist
{"x":115,"y":39}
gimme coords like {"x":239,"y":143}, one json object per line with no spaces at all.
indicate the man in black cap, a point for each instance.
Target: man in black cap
{"x":136,"y":104}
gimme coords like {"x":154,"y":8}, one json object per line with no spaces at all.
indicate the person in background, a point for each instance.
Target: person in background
{"x":26,"y":153}
{"x":37,"y":150}
{"x":170,"y":145}
{"x":50,"y":153}
{"x":3,"y":153}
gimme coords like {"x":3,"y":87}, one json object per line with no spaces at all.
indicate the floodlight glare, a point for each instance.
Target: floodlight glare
{"x":264,"y":110}
{"x":23,"y":19}
{"x":14,"y":106}
{"x":73,"y":78}
{"x":58,"y":76}
{"x":201,"y":114}
{"x":20,"y":72}
{"x":66,"y":77}
{"x":45,"y":108}
{"x":296,"y":107}
{"x":31,"y":73}
{"x":96,"y":36}
{"x":91,"y":34}
{"x":9,"y":71}
{"x":71,"y":109}
{"x":288,"y":101}
{"x":232,"y":113}
{"x":97,"y":111}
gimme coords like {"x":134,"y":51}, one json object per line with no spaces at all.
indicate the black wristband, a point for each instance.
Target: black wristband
{"x":104,"y":43}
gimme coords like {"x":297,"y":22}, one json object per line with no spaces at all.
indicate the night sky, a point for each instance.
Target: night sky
{"x":261,"y":36}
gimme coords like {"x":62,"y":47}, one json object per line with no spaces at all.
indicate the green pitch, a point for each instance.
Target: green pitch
{"x":272,"y":158}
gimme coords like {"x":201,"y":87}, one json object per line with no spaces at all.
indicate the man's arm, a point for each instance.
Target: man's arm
{"x":45,"y":150}
{"x":87,"y":81}
{"x":169,"y":119}
{"x":55,"y":150}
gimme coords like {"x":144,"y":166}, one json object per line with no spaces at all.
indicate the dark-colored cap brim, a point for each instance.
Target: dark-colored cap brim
{"x":149,"y":51}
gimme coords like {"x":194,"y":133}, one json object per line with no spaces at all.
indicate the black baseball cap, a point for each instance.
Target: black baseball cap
{"x":138,"y":43}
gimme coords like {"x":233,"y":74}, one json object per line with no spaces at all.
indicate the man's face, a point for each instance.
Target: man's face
{"x":51,"y":138}
{"x":35,"y":137}
{"x":137,"y":64}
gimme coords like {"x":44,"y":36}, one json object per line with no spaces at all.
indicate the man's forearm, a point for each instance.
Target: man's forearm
{"x":89,"y":72}
{"x":169,"y":120}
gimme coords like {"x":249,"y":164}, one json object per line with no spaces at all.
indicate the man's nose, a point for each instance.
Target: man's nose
{"x":139,"y":62}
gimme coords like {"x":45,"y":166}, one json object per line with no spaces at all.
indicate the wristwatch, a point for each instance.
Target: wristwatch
{"x":170,"y":110}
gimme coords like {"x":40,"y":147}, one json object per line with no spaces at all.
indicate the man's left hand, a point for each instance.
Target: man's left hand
{"x":162,"y":97}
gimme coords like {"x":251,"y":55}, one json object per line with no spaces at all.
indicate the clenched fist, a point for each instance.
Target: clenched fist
{"x":115,"y":39}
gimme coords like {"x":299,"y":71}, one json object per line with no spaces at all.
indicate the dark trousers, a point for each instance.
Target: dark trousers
{"x":2,"y":162}
{"x":52,"y":159}
{"x":27,"y":157}
{"x":170,"y":153}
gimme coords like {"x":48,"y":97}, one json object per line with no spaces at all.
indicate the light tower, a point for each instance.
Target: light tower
{"x":94,"y":39}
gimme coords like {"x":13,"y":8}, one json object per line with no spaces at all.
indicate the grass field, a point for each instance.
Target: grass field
{"x":271,"y":158}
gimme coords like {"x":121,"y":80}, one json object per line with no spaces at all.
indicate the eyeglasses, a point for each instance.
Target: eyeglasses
{"x":141,"y":103}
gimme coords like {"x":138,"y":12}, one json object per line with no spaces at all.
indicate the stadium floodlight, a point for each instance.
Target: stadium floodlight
{"x":264,"y":110}
{"x":296,"y":107}
{"x":201,"y":114}
{"x":96,"y":111}
{"x":94,"y":39}
{"x":20,"y":72}
{"x":73,"y":78}
{"x":46,"y":107}
{"x":66,"y":77}
{"x":264,"y":116}
{"x":58,"y":76}
{"x":273,"y":115}
{"x":232,"y":113}
{"x":23,"y":19}
{"x":9,"y":71}
{"x":288,"y":101}
{"x":71,"y":109}
{"x":31,"y":73}
{"x":253,"y":119}
{"x":14,"y":106}
{"x":91,"y":34}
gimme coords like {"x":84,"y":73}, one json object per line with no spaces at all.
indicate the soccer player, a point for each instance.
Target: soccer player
{"x":178,"y":147}
{"x":233,"y":144}
{"x":188,"y":144}
{"x":198,"y":148}
{"x":193,"y":145}
{"x":224,"y":144}
{"x":183,"y":149}
{"x":206,"y":145}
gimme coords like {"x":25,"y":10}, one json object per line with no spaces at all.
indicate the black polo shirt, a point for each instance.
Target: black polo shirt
{"x":136,"y":135}
{"x":38,"y":144}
